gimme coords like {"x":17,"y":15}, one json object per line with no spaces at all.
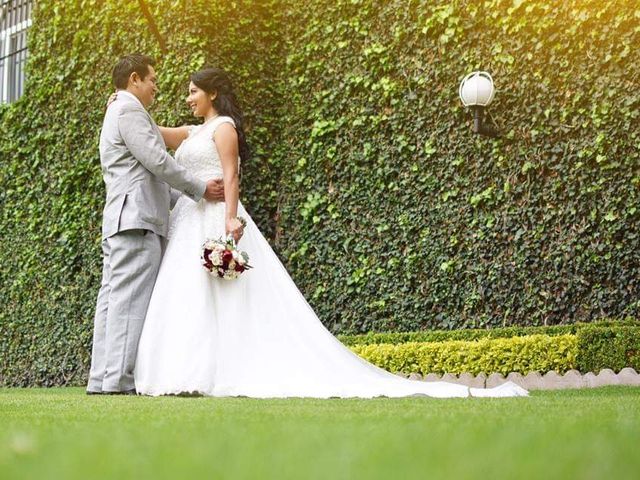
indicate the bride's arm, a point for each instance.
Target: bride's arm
{"x":173,"y":137}
{"x":226,"y":140}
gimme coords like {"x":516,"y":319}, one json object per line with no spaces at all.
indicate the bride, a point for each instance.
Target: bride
{"x":255,"y":336}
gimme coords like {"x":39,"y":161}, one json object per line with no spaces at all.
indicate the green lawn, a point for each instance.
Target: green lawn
{"x":62,"y":433}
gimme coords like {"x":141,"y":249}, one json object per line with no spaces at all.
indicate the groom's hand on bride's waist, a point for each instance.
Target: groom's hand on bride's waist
{"x":215,"y":190}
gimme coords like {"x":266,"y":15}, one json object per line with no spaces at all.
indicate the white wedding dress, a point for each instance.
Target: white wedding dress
{"x":255,"y":336}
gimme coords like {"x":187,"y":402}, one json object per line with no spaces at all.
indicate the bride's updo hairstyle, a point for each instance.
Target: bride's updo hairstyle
{"x":216,"y":81}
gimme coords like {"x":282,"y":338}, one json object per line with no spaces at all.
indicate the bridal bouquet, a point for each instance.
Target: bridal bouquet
{"x":222,"y":259}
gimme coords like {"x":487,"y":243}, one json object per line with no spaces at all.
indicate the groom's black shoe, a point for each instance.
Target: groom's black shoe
{"x":92,"y":392}
{"x":124,"y":392}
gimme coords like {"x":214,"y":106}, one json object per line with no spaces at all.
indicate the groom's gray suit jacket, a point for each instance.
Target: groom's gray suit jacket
{"x":137,"y":171}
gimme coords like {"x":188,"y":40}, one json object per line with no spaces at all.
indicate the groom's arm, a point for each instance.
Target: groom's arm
{"x":142,"y":140}
{"x":216,"y":193}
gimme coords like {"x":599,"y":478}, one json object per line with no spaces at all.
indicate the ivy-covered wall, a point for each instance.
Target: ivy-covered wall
{"x":387,"y":210}
{"x":397,"y":217}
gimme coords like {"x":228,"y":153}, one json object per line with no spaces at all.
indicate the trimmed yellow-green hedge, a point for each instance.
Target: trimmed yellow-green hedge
{"x":502,"y":355}
{"x":478,"y":333}
{"x":608,"y":347}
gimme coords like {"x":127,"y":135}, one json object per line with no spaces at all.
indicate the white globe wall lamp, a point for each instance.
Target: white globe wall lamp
{"x":477,"y":91}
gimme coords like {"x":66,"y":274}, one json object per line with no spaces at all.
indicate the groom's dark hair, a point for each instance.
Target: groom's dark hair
{"x":127,"y":65}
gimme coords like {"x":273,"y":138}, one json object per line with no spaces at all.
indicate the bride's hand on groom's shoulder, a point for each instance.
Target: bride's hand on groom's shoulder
{"x":215,"y":190}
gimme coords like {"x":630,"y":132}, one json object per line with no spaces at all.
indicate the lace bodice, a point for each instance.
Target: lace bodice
{"x":198,"y":152}
{"x":199,"y":155}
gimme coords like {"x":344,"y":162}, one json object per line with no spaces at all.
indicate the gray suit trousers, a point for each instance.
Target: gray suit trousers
{"x":131,"y":263}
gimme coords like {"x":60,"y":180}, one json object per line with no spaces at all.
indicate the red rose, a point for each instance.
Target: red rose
{"x":227,"y":256}
{"x":239,"y":268}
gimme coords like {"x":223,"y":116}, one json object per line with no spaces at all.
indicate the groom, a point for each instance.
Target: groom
{"x":139,"y":175}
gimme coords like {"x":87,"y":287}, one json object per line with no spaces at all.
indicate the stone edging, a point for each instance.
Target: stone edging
{"x":536,"y":381}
